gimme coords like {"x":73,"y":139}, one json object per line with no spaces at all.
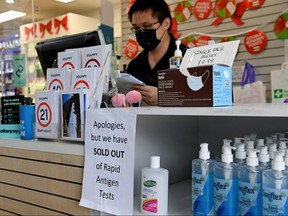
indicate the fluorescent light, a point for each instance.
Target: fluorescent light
{"x":65,"y":1}
{"x":9,"y":1}
{"x":10,"y":15}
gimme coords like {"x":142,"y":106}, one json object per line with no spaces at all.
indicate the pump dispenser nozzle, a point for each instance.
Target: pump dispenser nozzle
{"x":252,"y":159}
{"x":263,"y":155}
{"x":227,"y":156}
{"x":178,"y":52}
{"x":204,"y":153}
{"x":240,"y":152}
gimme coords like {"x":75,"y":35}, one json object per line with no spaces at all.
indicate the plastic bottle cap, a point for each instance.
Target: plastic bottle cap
{"x":178,"y":52}
{"x":227,"y":142}
{"x":252,"y":159}
{"x":260,"y":142}
{"x":237,"y":140}
{"x":240,"y":152}
{"x":282,"y":144}
{"x":250,"y":144}
{"x":227,"y":156}
{"x":155,"y":162}
{"x":264,"y":156}
{"x":278,"y":163}
{"x":204,"y":153}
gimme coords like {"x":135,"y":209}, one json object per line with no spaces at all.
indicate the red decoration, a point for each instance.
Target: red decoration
{"x":202,"y":9}
{"x":255,"y":41}
{"x":174,"y":28}
{"x":229,"y":8}
{"x":202,"y":41}
{"x":253,"y":4}
{"x":31,"y":31}
{"x":131,"y":49}
{"x":189,"y":41}
{"x":183,"y":11}
{"x":59,"y":23}
{"x":227,"y":39}
{"x":281,"y":26}
{"x":131,"y":2}
{"x":43,"y":28}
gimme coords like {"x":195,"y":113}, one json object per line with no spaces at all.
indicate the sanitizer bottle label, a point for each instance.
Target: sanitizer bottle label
{"x":149,"y":194}
{"x":225,"y":196}
{"x":250,"y":197}
{"x":275,"y":201}
{"x":202,"y":191}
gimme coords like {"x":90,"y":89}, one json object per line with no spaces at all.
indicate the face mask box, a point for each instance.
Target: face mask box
{"x":58,"y":79}
{"x":197,"y":86}
{"x":73,"y":109}
{"x":47,"y":107}
{"x":69,"y":59}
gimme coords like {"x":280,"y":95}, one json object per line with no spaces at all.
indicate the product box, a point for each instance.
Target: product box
{"x":69,"y":59}
{"x":58,"y":79}
{"x":197,"y":86}
{"x":73,"y":109}
{"x":203,"y":79}
{"x":47,"y":107}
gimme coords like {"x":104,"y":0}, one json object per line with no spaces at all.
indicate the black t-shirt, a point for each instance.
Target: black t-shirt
{"x":140,"y":68}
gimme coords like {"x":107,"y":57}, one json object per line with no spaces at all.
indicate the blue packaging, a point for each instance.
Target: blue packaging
{"x":202,"y":182}
{"x":27,"y":121}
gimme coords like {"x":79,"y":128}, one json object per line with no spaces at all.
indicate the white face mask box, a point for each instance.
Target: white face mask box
{"x":85,"y":78}
{"x":47,"y":107}
{"x":69,"y":59}
{"x":58,"y":79}
{"x":73,"y":109}
{"x":203,"y":79}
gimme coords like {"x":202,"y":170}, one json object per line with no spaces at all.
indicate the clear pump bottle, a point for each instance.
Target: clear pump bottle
{"x":226,"y":184}
{"x":154,"y":189}
{"x":240,"y":154}
{"x":250,"y":186}
{"x":275,"y":188}
{"x":202,"y":182}
{"x":176,"y":60}
{"x":264,"y":158}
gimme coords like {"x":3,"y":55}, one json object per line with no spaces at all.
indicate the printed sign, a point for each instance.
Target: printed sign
{"x":255,"y":41}
{"x":20,"y":71}
{"x":131,"y":49}
{"x":109,"y":161}
{"x":202,"y":9}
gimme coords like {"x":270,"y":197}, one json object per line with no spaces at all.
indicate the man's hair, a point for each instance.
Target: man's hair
{"x":159,"y":8}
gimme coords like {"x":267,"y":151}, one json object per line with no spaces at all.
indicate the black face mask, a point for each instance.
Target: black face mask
{"x":148,"y":40}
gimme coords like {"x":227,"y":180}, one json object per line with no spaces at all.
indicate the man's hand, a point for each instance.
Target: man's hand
{"x":149,"y":94}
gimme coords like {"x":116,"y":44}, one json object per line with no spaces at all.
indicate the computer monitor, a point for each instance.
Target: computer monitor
{"x":47,"y":50}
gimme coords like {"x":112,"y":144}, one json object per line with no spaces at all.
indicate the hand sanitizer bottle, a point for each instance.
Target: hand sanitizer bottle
{"x":264,"y":158}
{"x":154,"y":189}
{"x":250,"y":186}
{"x":275,"y":188}
{"x":226,"y":184}
{"x":175,"y":61}
{"x":240,"y":154}
{"x":202,"y":182}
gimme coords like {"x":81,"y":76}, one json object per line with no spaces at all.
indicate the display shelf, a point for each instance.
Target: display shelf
{"x":245,"y":110}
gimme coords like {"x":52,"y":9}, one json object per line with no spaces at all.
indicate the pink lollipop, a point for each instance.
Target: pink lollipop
{"x":118,"y":100}
{"x":133,"y":98}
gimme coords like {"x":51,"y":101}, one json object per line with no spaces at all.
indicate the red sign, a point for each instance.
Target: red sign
{"x":202,"y":41}
{"x":255,"y":41}
{"x":131,"y":49}
{"x":202,"y":9}
{"x":253,"y":4}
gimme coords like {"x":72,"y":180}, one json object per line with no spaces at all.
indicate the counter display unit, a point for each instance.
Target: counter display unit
{"x":44,"y":177}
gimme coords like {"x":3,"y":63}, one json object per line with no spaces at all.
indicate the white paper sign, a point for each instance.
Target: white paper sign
{"x":220,"y":53}
{"x":108,"y":179}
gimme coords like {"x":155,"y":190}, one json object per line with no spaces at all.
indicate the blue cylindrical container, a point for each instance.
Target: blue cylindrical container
{"x":27,"y":121}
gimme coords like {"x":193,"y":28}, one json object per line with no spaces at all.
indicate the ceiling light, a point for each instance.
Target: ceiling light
{"x":9,"y":1}
{"x":10,"y":15}
{"x":65,"y":1}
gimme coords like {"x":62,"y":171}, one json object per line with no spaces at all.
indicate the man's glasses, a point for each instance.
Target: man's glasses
{"x":145,"y":28}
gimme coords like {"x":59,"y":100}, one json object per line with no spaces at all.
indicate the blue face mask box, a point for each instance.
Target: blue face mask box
{"x":206,"y":86}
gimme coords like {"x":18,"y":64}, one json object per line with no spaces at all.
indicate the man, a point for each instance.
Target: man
{"x":151,"y":21}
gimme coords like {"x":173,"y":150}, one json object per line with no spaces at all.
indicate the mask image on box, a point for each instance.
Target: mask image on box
{"x":195,"y":82}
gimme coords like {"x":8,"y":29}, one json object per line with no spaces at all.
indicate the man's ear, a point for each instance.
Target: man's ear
{"x":166,"y":23}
